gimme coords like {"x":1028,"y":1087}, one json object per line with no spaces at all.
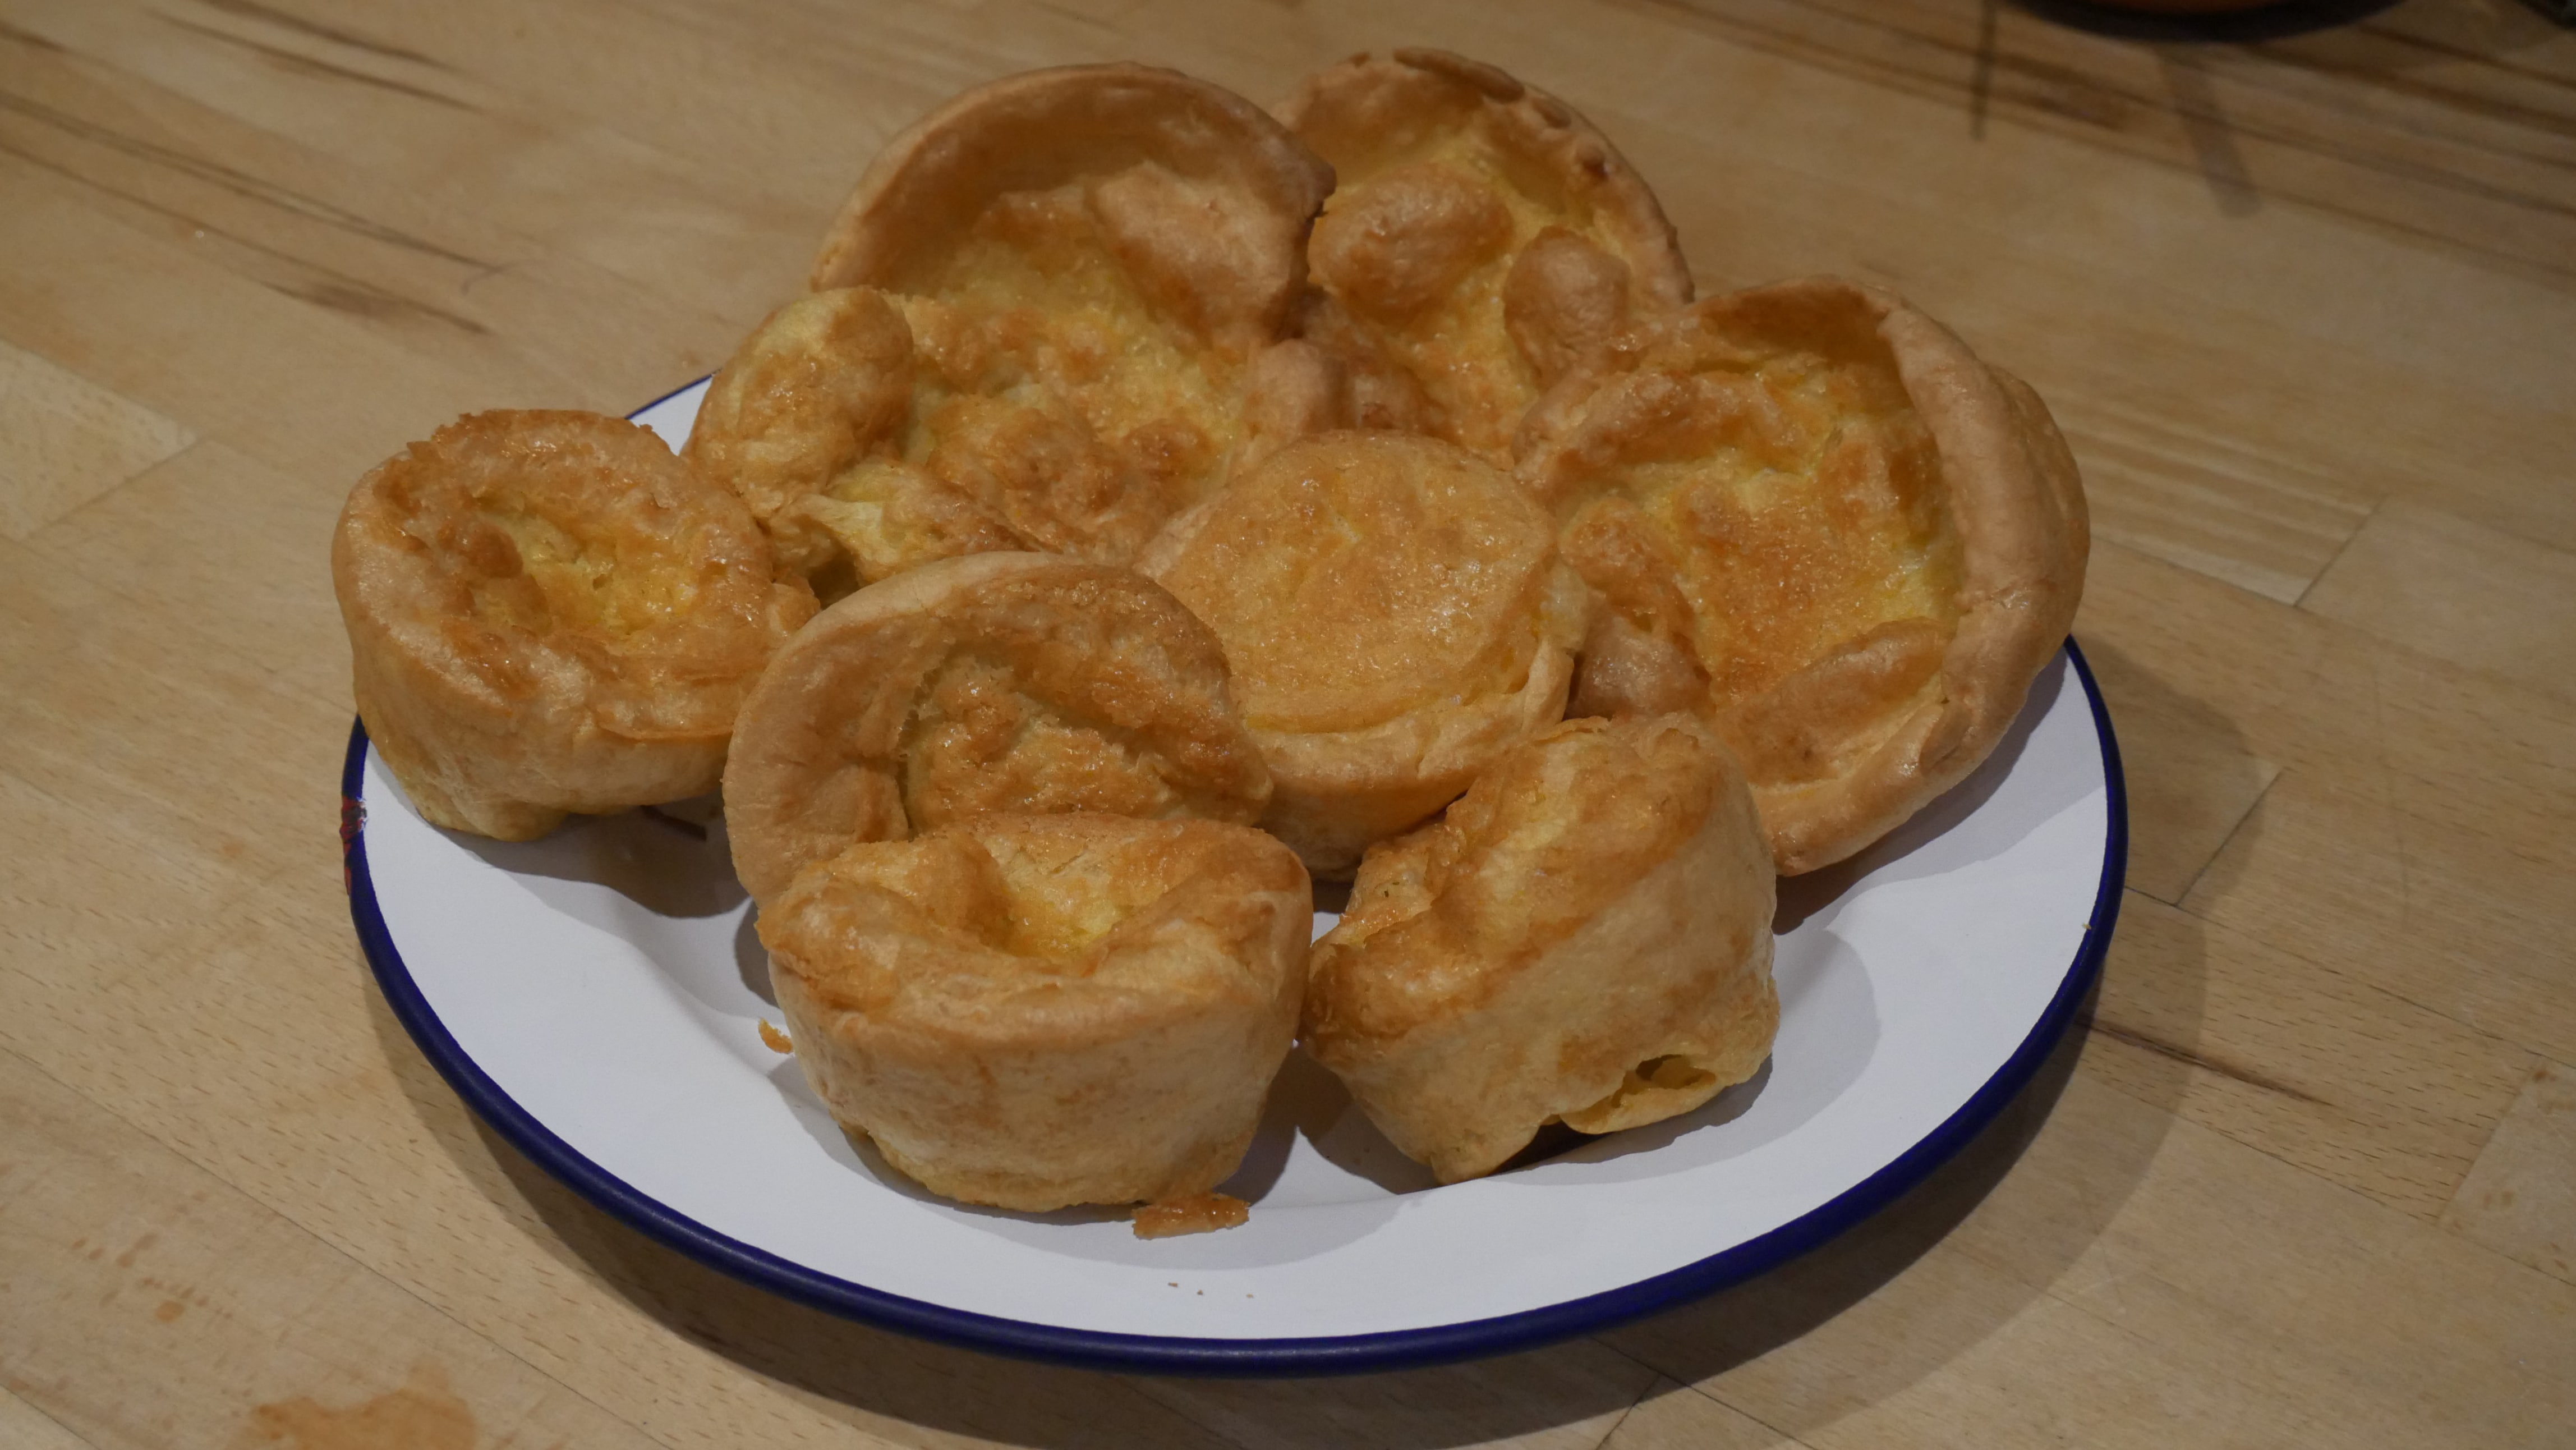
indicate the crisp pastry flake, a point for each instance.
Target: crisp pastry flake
{"x":1811,"y":513}
{"x":1033,"y":1012}
{"x":1584,"y":938}
{"x":1395,"y":615}
{"x":1482,"y":241}
{"x":548,"y":612}
{"x":996,"y":682}
{"x":1050,"y":317}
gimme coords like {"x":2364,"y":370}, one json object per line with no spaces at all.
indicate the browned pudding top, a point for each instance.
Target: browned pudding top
{"x":1032,"y":329}
{"x":1813,"y":514}
{"x":1558,"y":829}
{"x":1002,"y":682}
{"x":1199,"y":199}
{"x":1355,"y":577}
{"x":1007,"y":926}
{"x":1051,"y":386}
{"x":1054,"y":392}
{"x":572,"y":556}
{"x":1483,"y":238}
{"x":1017,"y":411}
{"x":820,"y":383}
{"x":1752,"y":476}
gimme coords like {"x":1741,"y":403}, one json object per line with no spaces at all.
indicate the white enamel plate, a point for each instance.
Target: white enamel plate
{"x":596,"y":996}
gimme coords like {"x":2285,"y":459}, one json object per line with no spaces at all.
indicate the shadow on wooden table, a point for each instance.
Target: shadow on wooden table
{"x":1960,"y":1259}
{"x":1715,"y":1336}
{"x":867,"y":1376}
{"x":2029,"y":1216}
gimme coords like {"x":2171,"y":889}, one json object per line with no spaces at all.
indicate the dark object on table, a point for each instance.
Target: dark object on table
{"x":2223,"y":21}
{"x":2188,"y":7}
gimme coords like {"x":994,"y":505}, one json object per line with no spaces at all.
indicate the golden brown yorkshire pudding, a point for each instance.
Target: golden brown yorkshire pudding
{"x":1037,"y":1011}
{"x":547,"y":613}
{"x":1483,"y":240}
{"x":1000,"y":682}
{"x":1814,"y":515}
{"x":1584,"y":938}
{"x":1048,"y":318}
{"x":821,"y":384}
{"x":1196,"y":199}
{"x":1395,"y":616}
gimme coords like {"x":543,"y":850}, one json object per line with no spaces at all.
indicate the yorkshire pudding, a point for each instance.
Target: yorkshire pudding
{"x":1046,"y":319}
{"x":1811,"y":513}
{"x":1482,"y":241}
{"x":1395,"y":616}
{"x":1037,"y":1011}
{"x":1584,"y":938}
{"x":998,"y":682}
{"x":548,"y":613}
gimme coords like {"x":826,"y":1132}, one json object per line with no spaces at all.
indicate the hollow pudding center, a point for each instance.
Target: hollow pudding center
{"x":1794,"y":486}
{"x":581,"y":573}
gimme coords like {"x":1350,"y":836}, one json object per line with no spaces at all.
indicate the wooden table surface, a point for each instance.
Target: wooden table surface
{"x":2305,"y":1177}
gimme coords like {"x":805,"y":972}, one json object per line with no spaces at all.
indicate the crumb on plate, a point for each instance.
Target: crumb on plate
{"x":1197,"y":1214}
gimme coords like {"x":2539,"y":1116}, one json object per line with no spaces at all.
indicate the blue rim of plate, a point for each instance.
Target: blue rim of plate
{"x":1160,"y":1354}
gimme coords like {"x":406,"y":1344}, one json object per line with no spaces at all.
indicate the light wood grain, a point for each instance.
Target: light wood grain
{"x":2417,"y":832}
{"x":95,"y":690}
{"x":2203,"y":1291}
{"x":64,"y":441}
{"x":2300,"y":1059}
{"x":120,"y":1249}
{"x":258,"y":597}
{"x":2520,"y":1197}
{"x":1677,"y":1417}
{"x":2192,"y":779}
{"x":273,"y":1064}
{"x":2301,"y":306}
{"x":24,"y":1427}
{"x":164,"y":328}
{"x":2268,"y":524}
{"x":1566,"y":1398}
{"x":2458,"y":591}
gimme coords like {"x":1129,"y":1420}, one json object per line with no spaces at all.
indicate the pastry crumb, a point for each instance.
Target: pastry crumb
{"x":775,"y":1040}
{"x":1198,"y":1214}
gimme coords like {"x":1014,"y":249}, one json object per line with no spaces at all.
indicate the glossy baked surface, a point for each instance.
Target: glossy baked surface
{"x":1395,"y":614}
{"x":1482,"y":238}
{"x":1034,"y":1012}
{"x":1043,"y":320}
{"x":1019,"y":682}
{"x":547,"y":612}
